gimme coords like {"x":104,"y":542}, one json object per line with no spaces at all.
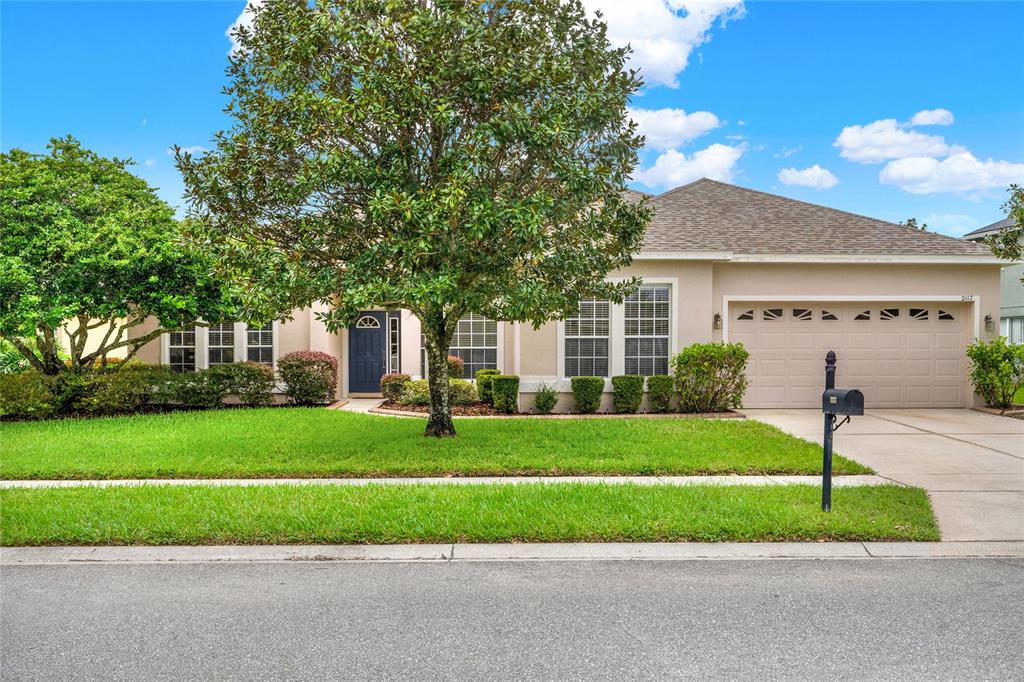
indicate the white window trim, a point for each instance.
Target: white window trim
{"x":203,"y":346}
{"x":973,"y":299}
{"x":616,"y":337}
{"x":500,"y":350}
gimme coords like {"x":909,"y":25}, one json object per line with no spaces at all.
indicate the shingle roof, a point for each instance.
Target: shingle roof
{"x":994,"y":227}
{"x":707,"y":215}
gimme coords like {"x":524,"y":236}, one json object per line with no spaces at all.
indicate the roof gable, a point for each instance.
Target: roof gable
{"x":712,"y":216}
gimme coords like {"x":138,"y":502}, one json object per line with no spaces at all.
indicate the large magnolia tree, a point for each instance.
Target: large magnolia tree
{"x":1008,"y":243}
{"x":444,"y":156}
{"x":89,"y":249}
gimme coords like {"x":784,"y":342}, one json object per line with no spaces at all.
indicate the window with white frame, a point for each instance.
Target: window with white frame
{"x":1012,"y":328}
{"x":260,"y":344}
{"x":586,"y":339}
{"x":476,"y":342}
{"x":220,"y":346}
{"x":394,"y":344}
{"x":647,"y":331}
{"x":181,"y":350}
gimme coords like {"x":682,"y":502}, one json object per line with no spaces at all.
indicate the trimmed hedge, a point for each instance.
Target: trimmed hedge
{"x":711,"y":377}
{"x":627,"y":393}
{"x":587,"y":391}
{"x":26,"y":395}
{"x":660,"y":389}
{"x":417,"y":392}
{"x":252,"y":382}
{"x":310,"y":377}
{"x":126,"y":390}
{"x":461,"y":392}
{"x":392,"y":385}
{"x":545,"y":399}
{"x":997,"y":370}
{"x":483,"y":384}
{"x":505,"y":392}
{"x":202,"y":389}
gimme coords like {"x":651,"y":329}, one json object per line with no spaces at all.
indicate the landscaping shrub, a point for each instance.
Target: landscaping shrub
{"x":392,"y":385}
{"x":660,"y":389}
{"x":26,"y":395}
{"x":627,"y":393}
{"x":462,"y":392}
{"x":10,"y":359}
{"x":456,"y":367}
{"x":252,"y":382}
{"x":310,"y":377}
{"x":415,"y":393}
{"x":202,"y":388}
{"x":483,"y":383}
{"x":545,"y":399}
{"x":587,"y":391}
{"x":123,"y":391}
{"x":997,"y":370}
{"x":505,"y":392}
{"x":711,"y":377}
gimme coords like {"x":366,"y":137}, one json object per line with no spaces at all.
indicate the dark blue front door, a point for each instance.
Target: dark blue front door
{"x":366,"y":352}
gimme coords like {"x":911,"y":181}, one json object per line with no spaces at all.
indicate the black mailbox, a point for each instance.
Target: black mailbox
{"x":845,"y":401}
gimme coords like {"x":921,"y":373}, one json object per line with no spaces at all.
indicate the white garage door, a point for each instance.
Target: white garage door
{"x":899,"y":355}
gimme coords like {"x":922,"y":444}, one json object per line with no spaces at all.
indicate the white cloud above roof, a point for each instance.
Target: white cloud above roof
{"x":961,"y":172}
{"x":815,"y":176}
{"x":244,"y":19}
{"x":663,"y":33}
{"x":668,"y":128}
{"x":932,"y":117}
{"x":674,"y":168}
{"x":886,"y":139}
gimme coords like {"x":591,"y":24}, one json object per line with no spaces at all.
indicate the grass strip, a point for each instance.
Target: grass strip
{"x":382,"y":514}
{"x":297,"y":442}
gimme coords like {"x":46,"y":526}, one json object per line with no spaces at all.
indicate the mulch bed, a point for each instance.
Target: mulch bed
{"x":1016,"y":412}
{"x":484,"y":410}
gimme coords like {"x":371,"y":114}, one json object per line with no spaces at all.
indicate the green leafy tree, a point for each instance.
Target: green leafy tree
{"x":89,"y":247}
{"x":912,"y":222}
{"x":446,"y":157}
{"x":1008,"y":243}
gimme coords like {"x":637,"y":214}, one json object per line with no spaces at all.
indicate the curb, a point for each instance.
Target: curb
{"x":446,"y":553}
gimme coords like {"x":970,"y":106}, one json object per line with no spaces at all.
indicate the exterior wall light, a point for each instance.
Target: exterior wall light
{"x":989,"y":323}
{"x":716,"y":322}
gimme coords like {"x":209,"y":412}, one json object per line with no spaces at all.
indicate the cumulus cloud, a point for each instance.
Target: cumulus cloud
{"x":932,"y":117}
{"x":194,"y":149}
{"x":815,"y":176}
{"x":244,"y":19}
{"x":886,"y":139}
{"x":150,"y":163}
{"x":960,"y":172}
{"x":663,"y":33}
{"x":674,"y":168}
{"x":668,"y":128}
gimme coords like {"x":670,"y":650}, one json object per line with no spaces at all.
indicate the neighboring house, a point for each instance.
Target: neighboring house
{"x":788,"y":279}
{"x":1011,"y":312}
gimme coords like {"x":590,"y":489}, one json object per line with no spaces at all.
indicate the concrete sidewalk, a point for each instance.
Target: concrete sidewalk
{"x":971,"y":463}
{"x":610,"y":551}
{"x":837,"y":481}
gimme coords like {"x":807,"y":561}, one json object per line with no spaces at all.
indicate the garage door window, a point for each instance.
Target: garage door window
{"x":862,"y":317}
{"x":746,"y":315}
{"x":802,"y":314}
{"x":769,"y":314}
{"x":919,"y":314}
{"x":889,"y":314}
{"x":943,"y":315}
{"x":828,"y":316}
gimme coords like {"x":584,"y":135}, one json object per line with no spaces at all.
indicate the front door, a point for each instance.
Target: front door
{"x":366,"y":352}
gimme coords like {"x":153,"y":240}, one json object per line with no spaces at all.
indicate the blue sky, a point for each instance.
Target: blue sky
{"x":888,"y":109}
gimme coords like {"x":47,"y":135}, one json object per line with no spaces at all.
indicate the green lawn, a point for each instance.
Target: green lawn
{"x":283,"y":442}
{"x":564,"y":512}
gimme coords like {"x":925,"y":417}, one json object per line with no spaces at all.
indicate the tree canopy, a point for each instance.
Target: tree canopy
{"x":446,"y":157}
{"x":88,"y":246}
{"x":1008,"y":243}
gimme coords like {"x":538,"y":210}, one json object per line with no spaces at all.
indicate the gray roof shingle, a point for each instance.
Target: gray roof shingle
{"x":707,"y":215}
{"x":994,"y":227}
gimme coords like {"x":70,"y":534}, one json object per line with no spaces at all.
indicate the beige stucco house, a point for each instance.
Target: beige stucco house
{"x":788,"y":279}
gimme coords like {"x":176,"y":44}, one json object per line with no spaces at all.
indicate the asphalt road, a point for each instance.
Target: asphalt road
{"x":837,"y":619}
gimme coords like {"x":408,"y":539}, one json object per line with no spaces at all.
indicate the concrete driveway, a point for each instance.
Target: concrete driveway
{"x":971,"y":463}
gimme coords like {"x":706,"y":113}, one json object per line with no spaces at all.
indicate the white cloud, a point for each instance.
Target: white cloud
{"x":194,"y":149}
{"x":788,"y":152}
{"x":663,"y":33}
{"x":673,"y":168}
{"x":668,"y":128}
{"x":886,"y":139}
{"x":932,"y":117}
{"x":244,"y":19}
{"x":150,"y":163}
{"x":741,"y":122}
{"x":145,"y":122}
{"x":814,"y":176}
{"x":961,"y":172}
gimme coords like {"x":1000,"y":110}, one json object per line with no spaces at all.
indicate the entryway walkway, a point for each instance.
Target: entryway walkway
{"x":361,"y":404}
{"x":971,"y":463}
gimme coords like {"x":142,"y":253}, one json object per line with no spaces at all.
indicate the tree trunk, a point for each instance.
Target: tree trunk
{"x":439,"y":423}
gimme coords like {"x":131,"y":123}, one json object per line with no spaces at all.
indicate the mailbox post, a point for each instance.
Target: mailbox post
{"x":834,"y":401}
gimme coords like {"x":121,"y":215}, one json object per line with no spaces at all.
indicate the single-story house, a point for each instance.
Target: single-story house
{"x":788,"y":279}
{"x":1011,"y":309}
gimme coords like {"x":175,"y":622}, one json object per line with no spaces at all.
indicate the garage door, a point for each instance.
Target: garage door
{"x":899,"y":355}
